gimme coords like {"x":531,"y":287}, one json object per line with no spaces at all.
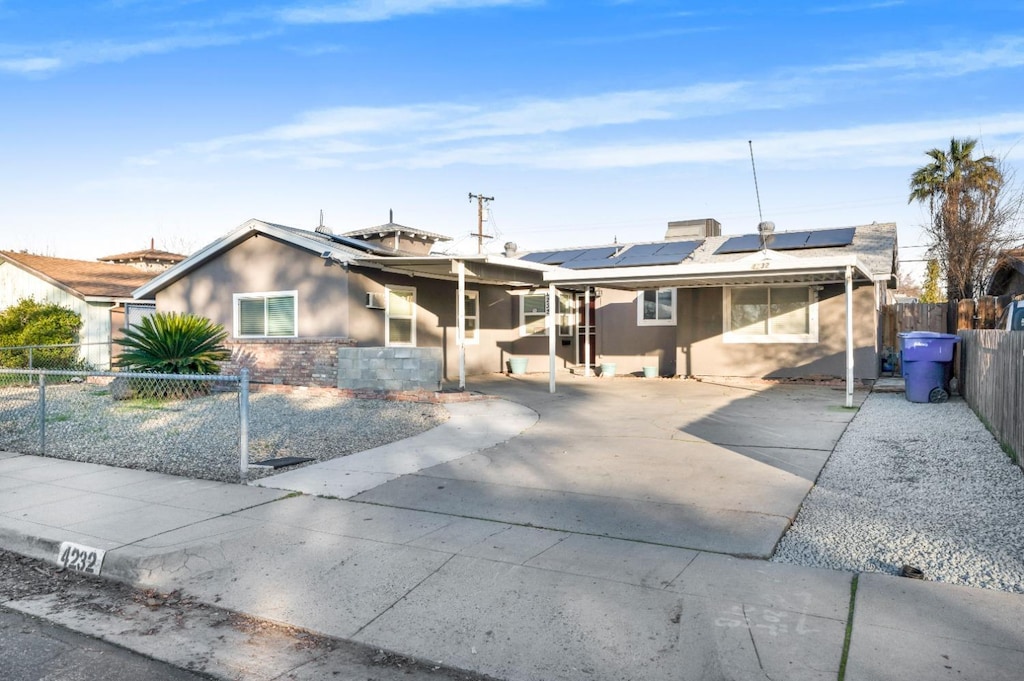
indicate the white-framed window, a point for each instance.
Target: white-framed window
{"x":269,"y":314}
{"x":770,"y":314}
{"x":656,"y":307}
{"x":566,"y":319}
{"x":472,"y":315}
{"x":533,"y":314}
{"x":400,"y":316}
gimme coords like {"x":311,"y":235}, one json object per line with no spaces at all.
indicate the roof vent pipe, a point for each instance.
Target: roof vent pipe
{"x":510,"y":248}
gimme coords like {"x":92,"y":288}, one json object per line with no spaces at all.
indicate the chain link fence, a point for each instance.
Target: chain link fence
{"x":189,"y":425}
{"x":59,"y":357}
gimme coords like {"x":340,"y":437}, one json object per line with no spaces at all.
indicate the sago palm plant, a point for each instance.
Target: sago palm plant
{"x":172,"y":343}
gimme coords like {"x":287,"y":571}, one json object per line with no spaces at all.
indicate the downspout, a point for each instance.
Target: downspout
{"x":849,"y":336}
{"x":552,"y":311}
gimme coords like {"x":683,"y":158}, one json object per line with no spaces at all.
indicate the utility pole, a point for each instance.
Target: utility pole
{"x":480,"y":199}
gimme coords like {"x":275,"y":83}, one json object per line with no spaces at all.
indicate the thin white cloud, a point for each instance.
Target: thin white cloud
{"x":856,"y":7}
{"x":363,"y":11}
{"x":51,"y":58}
{"x":30,"y":65}
{"x":1001,"y":53}
{"x":864,"y":146}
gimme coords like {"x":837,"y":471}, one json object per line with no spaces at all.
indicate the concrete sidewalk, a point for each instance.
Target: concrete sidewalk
{"x":502,"y":598}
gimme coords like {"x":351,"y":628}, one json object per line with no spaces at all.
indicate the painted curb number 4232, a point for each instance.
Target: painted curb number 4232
{"x":80,"y":558}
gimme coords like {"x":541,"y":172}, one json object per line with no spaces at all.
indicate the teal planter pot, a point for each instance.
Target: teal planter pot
{"x":650,"y":372}
{"x":608,"y":369}
{"x":517,"y":365}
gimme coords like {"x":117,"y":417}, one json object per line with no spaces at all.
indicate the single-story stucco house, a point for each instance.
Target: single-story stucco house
{"x":696,"y":303}
{"x":100,"y":292}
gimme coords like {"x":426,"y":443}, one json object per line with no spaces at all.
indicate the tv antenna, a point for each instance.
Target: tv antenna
{"x":757,"y":192}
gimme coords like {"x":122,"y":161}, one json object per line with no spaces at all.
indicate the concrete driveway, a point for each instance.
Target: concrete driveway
{"x":720,"y":467}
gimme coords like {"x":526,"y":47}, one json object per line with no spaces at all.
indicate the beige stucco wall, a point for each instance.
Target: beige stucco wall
{"x":263,"y":264}
{"x":702,"y":352}
{"x":436,"y":320}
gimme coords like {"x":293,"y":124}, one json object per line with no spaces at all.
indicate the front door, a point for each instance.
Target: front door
{"x":586,"y":329}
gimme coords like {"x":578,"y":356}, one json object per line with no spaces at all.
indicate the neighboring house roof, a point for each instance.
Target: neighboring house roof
{"x":1009,"y":266}
{"x":391,"y":228}
{"x":82,"y":278}
{"x":147,"y":256}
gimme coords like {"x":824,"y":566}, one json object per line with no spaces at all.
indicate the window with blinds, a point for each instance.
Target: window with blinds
{"x":266,"y":315}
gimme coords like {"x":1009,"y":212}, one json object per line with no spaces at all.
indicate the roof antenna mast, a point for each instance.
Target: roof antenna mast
{"x":757,"y":192}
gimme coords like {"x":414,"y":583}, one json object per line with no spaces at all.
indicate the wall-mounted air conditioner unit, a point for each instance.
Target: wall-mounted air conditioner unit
{"x":375,"y":300}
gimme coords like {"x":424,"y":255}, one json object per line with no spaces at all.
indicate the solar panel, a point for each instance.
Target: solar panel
{"x":748,"y":243}
{"x":589,"y":264}
{"x":536,"y":257}
{"x":831,"y":237}
{"x":787,"y":241}
{"x":682,"y":248}
{"x":559,"y":257}
{"x":593,"y":253}
{"x":640,"y":255}
{"x":652,"y":259}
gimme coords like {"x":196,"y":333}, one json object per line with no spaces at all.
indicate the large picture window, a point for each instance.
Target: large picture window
{"x":656,"y":307}
{"x":401,"y":317}
{"x":266,"y":315}
{"x":775,"y":314}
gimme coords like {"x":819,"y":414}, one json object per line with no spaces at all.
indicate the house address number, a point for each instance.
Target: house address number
{"x":80,"y":558}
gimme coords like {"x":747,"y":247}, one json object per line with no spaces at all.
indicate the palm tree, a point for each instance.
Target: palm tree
{"x":962,"y":194}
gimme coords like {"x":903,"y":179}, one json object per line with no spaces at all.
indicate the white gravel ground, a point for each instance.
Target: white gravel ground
{"x":924,"y":485}
{"x":199,"y":437}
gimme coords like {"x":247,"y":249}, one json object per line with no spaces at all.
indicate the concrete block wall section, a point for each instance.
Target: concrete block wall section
{"x":288,"y":361}
{"x":391,"y":369}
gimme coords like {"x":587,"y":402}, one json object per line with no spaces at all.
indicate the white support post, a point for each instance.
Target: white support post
{"x":849,"y":336}
{"x":552,"y":332}
{"x":586,"y":333}
{"x":460,"y":331}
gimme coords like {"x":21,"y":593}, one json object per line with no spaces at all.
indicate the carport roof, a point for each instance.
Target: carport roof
{"x":481,"y":269}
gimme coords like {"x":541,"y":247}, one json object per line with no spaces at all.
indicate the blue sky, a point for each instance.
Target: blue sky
{"x":177,"y":120}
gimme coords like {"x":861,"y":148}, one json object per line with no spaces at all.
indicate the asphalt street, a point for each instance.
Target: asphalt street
{"x":36,"y":650}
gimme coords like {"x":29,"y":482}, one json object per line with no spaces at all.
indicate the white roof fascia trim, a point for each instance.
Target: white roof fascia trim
{"x":707,"y":270}
{"x":121,"y":300}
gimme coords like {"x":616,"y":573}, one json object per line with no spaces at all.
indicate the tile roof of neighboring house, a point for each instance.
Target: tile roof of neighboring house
{"x":147,"y":255}
{"x":82,"y":278}
{"x":391,"y":228}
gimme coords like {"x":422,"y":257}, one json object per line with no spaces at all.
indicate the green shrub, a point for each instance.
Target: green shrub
{"x":172,"y":343}
{"x":29,"y":322}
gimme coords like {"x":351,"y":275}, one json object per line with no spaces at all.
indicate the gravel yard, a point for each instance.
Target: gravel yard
{"x":198,"y":438}
{"x":924,"y":485}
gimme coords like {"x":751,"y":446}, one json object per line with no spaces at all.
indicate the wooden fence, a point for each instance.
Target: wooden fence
{"x":953,"y":317}
{"x":992,"y":382}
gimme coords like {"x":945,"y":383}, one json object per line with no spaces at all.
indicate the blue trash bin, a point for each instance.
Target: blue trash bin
{"x":927,"y":359}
